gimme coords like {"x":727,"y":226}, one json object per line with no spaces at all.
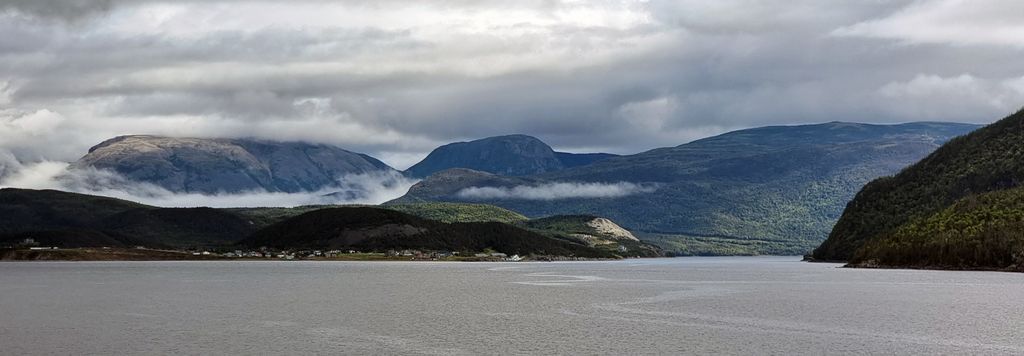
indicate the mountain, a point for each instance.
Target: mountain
{"x":456,"y":212}
{"x":443,"y":212}
{"x":62,"y":219}
{"x":596,"y":232}
{"x":227,"y":165}
{"x":581,"y":159}
{"x":511,"y":155}
{"x":953,"y":204}
{"x":976,"y":232}
{"x":773,"y":189}
{"x":376,"y":229}
{"x":592,"y":231}
{"x":450,"y":181}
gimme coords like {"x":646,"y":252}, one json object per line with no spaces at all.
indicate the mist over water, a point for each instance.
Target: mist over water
{"x":734,"y":305}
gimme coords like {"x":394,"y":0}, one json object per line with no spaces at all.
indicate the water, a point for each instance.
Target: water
{"x":750,"y":305}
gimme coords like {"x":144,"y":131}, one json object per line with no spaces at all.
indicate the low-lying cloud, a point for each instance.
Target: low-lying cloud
{"x":557,"y":191}
{"x":368,"y":188}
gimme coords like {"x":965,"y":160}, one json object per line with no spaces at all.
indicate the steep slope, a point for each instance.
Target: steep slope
{"x":375,"y":229}
{"x":227,"y":165}
{"x":76,"y":220}
{"x":783,"y":187}
{"x":979,"y":231}
{"x":989,"y":159}
{"x":511,"y":155}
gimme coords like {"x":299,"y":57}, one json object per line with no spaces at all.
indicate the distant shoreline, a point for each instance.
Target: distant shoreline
{"x":142,"y":254}
{"x":933,"y":268}
{"x":847,"y":264}
{"x":156,"y":255}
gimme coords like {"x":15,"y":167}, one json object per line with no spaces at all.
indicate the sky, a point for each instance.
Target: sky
{"x":395,"y":79}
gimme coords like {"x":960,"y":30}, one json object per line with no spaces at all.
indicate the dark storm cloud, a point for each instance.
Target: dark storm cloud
{"x":57,"y":9}
{"x":395,"y":80}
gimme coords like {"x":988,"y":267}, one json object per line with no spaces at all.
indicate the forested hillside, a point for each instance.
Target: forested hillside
{"x":989,"y":159}
{"x":376,"y":229}
{"x":980,"y":231}
{"x":775,"y":190}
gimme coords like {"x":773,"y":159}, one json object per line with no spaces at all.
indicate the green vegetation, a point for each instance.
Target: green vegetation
{"x":263,"y":217}
{"x":376,"y":229}
{"x":780,"y":184}
{"x":99,"y":254}
{"x":23,"y":207}
{"x":595,"y":232}
{"x":509,"y":155}
{"x":684,"y":245}
{"x":458,"y":212}
{"x":989,"y":159}
{"x":980,"y":231}
{"x":443,"y":212}
{"x":55,"y":218}
{"x":78,"y":222}
{"x":568,"y":224}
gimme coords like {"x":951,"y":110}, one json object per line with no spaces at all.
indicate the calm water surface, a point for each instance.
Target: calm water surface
{"x":749,"y":305}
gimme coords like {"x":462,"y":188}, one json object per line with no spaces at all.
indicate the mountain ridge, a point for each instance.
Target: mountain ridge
{"x":986,"y":160}
{"x":511,"y":155}
{"x":72,"y":220}
{"x":778,"y":183}
{"x":377,"y":229}
{"x":205,"y":165}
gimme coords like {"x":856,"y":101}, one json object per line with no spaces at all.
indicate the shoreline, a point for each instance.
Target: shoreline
{"x":88,"y":254}
{"x":933,"y":268}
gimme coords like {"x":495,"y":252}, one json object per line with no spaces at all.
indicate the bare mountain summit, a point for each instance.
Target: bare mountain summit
{"x":227,"y":165}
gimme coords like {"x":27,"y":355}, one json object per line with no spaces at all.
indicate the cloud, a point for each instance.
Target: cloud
{"x":369,"y":188}
{"x":557,"y":191}
{"x":41,"y":175}
{"x":8,"y":164}
{"x":396,"y":79}
{"x":959,"y":22}
{"x":59,"y":9}
{"x":930,"y":96}
{"x":29,"y":130}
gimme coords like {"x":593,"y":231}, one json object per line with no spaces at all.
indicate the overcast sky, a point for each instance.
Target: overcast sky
{"x":394,"y":79}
